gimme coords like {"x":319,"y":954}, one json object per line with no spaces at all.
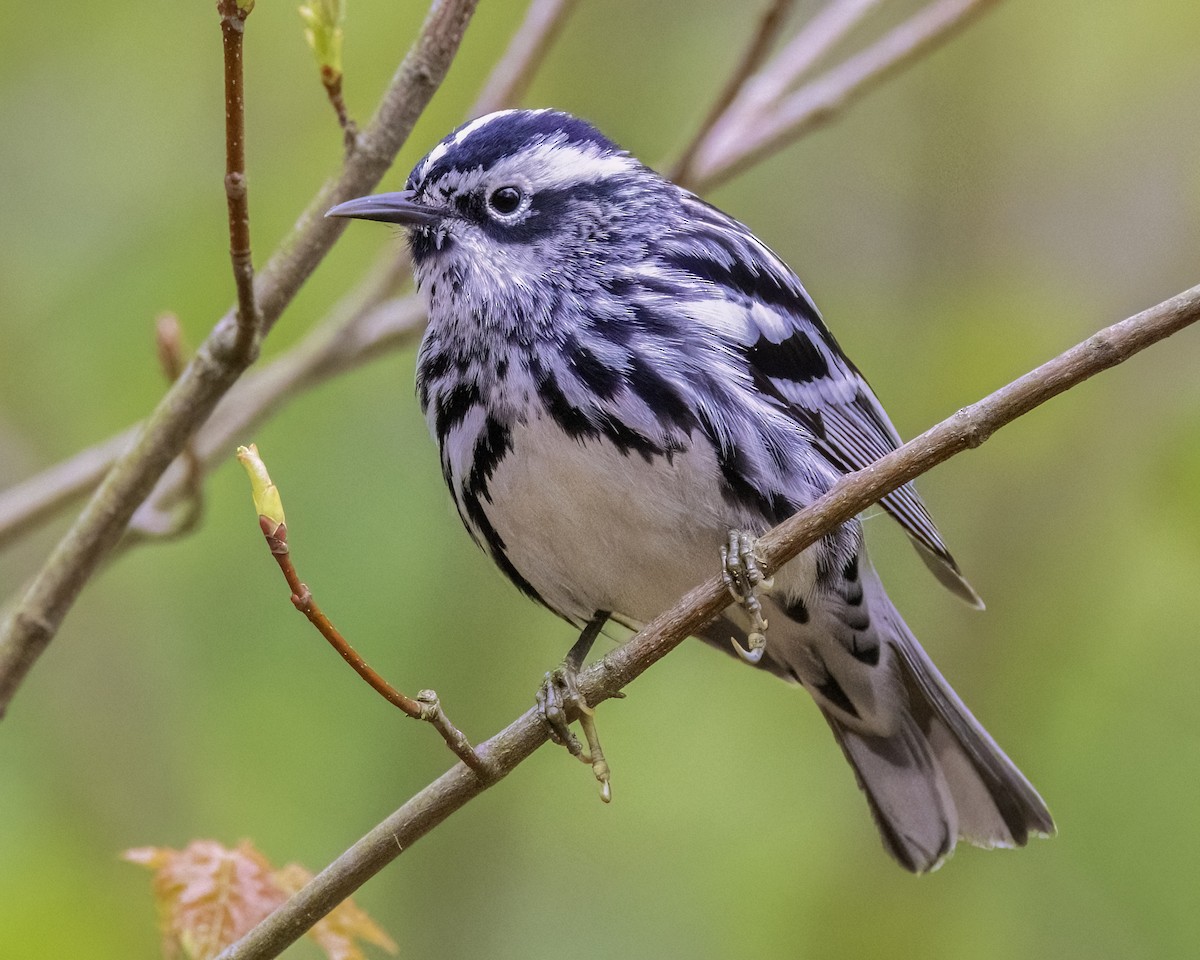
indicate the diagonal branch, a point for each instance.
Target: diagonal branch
{"x":769,"y":26}
{"x":33,"y":621}
{"x":760,"y":123}
{"x":853,"y":493}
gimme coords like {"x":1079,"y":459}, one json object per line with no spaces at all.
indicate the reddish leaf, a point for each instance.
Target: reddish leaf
{"x":208,"y":895}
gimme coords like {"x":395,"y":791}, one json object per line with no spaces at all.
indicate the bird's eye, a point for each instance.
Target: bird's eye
{"x":505,"y":200}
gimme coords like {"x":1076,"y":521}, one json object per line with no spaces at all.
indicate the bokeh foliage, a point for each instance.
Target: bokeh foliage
{"x":1033,"y":181}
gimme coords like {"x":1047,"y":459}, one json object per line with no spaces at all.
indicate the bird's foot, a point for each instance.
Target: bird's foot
{"x":744,"y":578}
{"x":557,"y":699}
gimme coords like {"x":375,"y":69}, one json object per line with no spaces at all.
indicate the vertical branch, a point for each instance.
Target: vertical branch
{"x":233,"y":28}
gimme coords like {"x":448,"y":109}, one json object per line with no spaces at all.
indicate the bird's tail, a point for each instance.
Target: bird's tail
{"x":939,"y":775}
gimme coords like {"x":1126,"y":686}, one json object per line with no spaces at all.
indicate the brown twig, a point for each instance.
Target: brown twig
{"x":769,"y":26}
{"x":852,"y":494}
{"x":233,"y":29}
{"x":274,"y":528}
{"x":331,"y":80}
{"x":33,"y":620}
{"x":168,"y":340}
{"x":303,"y":600}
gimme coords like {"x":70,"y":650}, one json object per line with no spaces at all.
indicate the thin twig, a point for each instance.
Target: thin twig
{"x":233,"y":30}
{"x":32,"y":622}
{"x":274,"y":529}
{"x":811,"y":44}
{"x":852,"y":494}
{"x":511,"y":75}
{"x":731,"y":148}
{"x":331,"y":80}
{"x":168,"y":339}
{"x":306,"y":603}
{"x":769,"y":25}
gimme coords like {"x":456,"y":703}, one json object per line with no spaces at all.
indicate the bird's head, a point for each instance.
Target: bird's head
{"x":517,"y":195}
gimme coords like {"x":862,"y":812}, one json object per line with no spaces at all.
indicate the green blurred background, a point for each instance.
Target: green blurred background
{"x":1033,"y":181}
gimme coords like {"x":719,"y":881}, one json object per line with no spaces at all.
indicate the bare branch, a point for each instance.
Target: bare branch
{"x":814,"y":41}
{"x":33,"y":501}
{"x":769,"y":26}
{"x":233,"y":29}
{"x":853,"y":493}
{"x":751,"y":136}
{"x":35,"y":618}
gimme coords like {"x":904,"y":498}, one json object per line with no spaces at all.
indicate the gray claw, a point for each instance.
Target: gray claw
{"x":550,"y":705}
{"x":744,"y":578}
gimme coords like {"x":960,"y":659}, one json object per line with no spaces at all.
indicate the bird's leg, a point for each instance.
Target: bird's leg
{"x":560,"y":692}
{"x":744,"y":578}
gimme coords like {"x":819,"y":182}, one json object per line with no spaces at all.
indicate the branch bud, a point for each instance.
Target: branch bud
{"x":323,"y":30}
{"x":266,"y":495}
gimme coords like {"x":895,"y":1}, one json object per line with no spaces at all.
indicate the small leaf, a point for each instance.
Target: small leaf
{"x":266,"y":495}
{"x":323,"y":30}
{"x":207,"y":895}
{"x":339,"y":932}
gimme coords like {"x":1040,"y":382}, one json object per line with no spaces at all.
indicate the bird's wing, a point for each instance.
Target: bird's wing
{"x":766,"y":310}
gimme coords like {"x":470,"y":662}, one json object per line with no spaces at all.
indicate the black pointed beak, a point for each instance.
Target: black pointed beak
{"x":400,"y":207}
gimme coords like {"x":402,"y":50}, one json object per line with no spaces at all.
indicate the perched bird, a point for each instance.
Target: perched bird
{"x":625,"y":384}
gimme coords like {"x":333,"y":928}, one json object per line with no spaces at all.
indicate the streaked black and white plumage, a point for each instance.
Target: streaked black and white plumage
{"x":617,"y":375}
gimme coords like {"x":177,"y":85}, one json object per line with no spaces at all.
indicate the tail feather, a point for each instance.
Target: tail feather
{"x":906,"y":790}
{"x":939,"y":769}
{"x":998,"y":806}
{"x":930,"y":772}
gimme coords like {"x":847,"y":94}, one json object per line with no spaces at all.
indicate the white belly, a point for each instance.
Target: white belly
{"x":594,"y":529}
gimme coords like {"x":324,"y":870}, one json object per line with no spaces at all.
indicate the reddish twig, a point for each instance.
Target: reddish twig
{"x":332,"y":81}
{"x":168,"y":341}
{"x":233,"y":28}
{"x":303,"y":600}
{"x":271,"y":521}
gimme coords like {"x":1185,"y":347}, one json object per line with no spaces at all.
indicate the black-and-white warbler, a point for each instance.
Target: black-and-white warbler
{"x":624,"y":383}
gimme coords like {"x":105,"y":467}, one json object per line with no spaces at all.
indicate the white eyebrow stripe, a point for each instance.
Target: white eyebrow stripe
{"x":552,"y":164}
{"x":469,"y":128}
